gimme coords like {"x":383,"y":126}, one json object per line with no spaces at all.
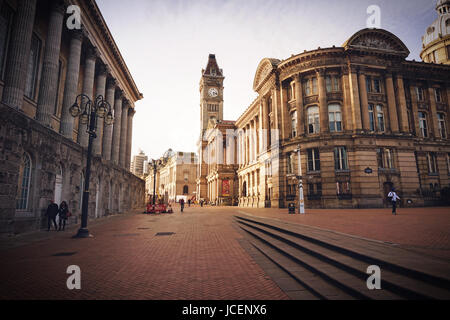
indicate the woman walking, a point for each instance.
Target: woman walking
{"x":63,"y":215}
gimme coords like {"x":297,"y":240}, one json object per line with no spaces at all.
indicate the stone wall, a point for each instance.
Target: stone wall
{"x":112,"y":189}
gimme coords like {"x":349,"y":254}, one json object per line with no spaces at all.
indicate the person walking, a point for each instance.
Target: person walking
{"x":189,"y":203}
{"x":394,"y":197}
{"x":182,"y":204}
{"x":63,"y":215}
{"x":52,"y":212}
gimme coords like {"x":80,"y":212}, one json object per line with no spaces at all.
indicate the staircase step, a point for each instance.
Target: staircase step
{"x":347,"y":282}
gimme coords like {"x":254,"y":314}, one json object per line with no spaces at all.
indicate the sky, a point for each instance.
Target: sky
{"x":166,"y":43}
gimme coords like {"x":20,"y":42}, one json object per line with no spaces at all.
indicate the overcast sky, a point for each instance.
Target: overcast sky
{"x":166,"y":44}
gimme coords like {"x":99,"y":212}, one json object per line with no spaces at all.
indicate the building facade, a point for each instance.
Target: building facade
{"x":436,"y":41}
{"x":175,"y":176}
{"x":365,"y":118}
{"x":46,"y":61}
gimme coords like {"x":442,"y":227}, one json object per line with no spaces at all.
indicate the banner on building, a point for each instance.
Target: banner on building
{"x":226,"y":188}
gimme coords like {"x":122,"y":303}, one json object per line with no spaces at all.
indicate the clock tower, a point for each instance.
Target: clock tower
{"x":211,"y":94}
{"x":211,"y":111}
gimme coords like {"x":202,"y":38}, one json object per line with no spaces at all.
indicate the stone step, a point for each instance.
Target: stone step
{"x":386,"y":256}
{"x":347,"y":283}
{"x":401,"y":285}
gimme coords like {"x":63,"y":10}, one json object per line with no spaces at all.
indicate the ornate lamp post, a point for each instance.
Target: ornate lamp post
{"x":155,"y":164}
{"x":89,"y":111}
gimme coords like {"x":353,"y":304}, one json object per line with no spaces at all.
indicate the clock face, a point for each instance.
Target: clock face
{"x":213,"y":92}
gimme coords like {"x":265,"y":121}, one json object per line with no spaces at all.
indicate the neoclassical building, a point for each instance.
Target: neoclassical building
{"x":175,"y":176}
{"x":45,"y":62}
{"x":436,"y":41}
{"x":366,"y":120}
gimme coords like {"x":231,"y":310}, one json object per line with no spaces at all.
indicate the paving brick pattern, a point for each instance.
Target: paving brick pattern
{"x":425,"y":230}
{"x":126,"y":260}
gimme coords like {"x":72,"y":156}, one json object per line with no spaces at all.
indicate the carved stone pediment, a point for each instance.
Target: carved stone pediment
{"x":265,"y":68}
{"x":377,"y":40}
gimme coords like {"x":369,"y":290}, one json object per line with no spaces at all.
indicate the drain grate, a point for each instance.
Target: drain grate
{"x":164,"y":234}
{"x":64,"y":254}
{"x":126,"y":235}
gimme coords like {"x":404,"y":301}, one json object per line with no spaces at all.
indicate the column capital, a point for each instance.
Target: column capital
{"x":125,"y":103}
{"x":298,"y":78}
{"x":320,"y":72}
{"x":111,"y":83}
{"x":119,"y":94}
{"x":131,"y":112}
{"x":59,"y":6}
{"x":78,"y":34}
{"x":102,"y":69}
{"x":92,"y":53}
{"x":345,"y":70}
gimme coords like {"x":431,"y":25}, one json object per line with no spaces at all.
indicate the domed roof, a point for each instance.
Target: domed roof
{"x":440,"y":28}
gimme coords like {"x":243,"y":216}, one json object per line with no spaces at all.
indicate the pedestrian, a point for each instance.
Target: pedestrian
{"x":63,"y":215}
{"x":393,"y":197}
{"x":182,"y":204}
{"x":201,"y":203}
{"x":189,"y":203}
{"x":52,"y":212}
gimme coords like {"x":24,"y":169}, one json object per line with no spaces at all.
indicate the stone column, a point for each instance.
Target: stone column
{"x":131,"y":113}
{"x":415,"y":111}
{"x":299,"y":105}
{"x":323,"y":106}
{"x":266,"y":125}
{"x":354,"y":99}
{"x":285,"y":125}
{"x":364,"y":100}
{"x":100,"y":90}
{"x":88,"y":88}
{"x":108,"y":130}
{"x":50,"y":67}
{"x":348,"y":115}
{"x":71,"y":85}
{"x":123,"y":134}
{"x":433,"y":120}
{"x":18,"y":53}
{"x":115,"y":151}
{"x":402,"y":108}
{"x":393,"y":119}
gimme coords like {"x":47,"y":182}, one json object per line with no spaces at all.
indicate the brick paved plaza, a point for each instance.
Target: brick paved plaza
{"x":203,"y":259}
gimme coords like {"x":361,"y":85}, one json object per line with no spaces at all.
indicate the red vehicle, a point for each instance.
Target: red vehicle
{"x":159,"y":208}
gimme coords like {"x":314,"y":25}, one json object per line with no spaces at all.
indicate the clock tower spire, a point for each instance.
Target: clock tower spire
{"x":211,"y":94}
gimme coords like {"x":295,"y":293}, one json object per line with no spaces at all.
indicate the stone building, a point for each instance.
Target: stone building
{"x":44,"y":65}
{"x":176,"y":175}
{"x":436,"y":41}
{"x":366,"y":120}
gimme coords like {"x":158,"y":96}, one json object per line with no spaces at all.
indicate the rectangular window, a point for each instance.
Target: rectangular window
{"x":369,"y":84}
{"x":438,"y":94}
{"x":335,"y":117}
{"x":441,"y":125}
{"x":423,"y":125}
{"x":419,"y":93}
{"x":313,"y":160}
{"x":380,"y":118}
{"x":385,"y":158}
{"x":328,"y":83}
{"x":343,"y":188}
{"x":314,"y":85}
{"x":307,"y":86}
{"x":291,"y":163}
{"x":340,"y":158}
{"x":294,"y":124}
{"x":33,"y":67}
{"x":6,"y":15}
{"x":377,"y":85}
{"x":432,"y":165}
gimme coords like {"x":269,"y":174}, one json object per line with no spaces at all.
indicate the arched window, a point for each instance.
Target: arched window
{"x":23,"y":192}
{"x":380,"y":118}
{"x":185,"y":190}
{"x":335,"y":117}
{"x":313,"y":120}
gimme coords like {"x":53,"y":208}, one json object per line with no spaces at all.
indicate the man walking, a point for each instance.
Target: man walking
{"x":52,"y":212}
{"x":182,"y":204}
{"x":394,"y":197}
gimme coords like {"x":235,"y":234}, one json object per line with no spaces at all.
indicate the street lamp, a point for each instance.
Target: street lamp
{"x":155,"y":164}
{"x":89,"y":111}
{"x":301,"y":200}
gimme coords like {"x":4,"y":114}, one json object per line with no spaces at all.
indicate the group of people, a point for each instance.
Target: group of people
{"x":53,"y":211}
